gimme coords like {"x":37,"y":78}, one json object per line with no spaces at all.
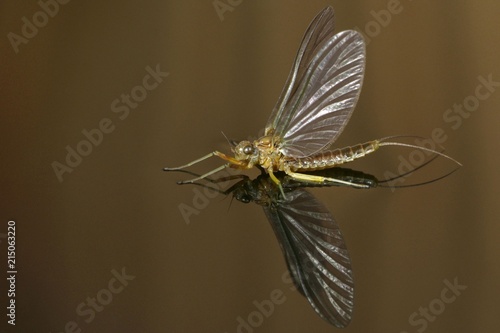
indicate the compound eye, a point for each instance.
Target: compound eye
{"x":248,"y":150}
{"x":242,"y":196}
{"x":245,"y":198}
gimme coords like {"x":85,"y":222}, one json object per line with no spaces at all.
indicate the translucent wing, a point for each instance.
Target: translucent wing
{"x":322,"y":89}
{"x":320,"y":29}
{"x":316,"y":255}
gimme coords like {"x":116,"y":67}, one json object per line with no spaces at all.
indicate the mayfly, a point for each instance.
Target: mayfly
{"x":313,"y":109}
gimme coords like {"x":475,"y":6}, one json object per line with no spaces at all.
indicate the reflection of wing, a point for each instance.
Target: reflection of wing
{"x":322,"y":89}
{"x":316,"y":255}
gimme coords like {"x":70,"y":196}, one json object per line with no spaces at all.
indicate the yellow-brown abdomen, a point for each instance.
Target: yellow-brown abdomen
{"x":332,"y":158}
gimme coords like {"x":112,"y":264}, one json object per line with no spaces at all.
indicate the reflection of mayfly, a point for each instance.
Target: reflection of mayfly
{"x":313,"y":109}
{"x":311,"y":241}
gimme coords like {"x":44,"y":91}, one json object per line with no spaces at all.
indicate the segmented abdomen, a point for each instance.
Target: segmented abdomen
{"x":332,"y":158}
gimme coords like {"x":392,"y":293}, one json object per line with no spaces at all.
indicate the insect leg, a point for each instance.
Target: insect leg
{"x":191,"y":163}
{"x":320,"y":179}
{"x":277,"y":182}
{"x":230,"y":159}
{"x":232,"y":162}
{"x":190,"y":181}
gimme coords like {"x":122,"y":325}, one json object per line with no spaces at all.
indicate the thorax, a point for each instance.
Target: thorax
{"x":269,"y":155}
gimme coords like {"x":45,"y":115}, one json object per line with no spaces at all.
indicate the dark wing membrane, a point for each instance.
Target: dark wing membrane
{"x":321,"y":91}
{"x":316,"y":255}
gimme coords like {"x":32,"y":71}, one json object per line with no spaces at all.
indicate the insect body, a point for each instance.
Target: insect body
{"x":264,"y":153}
{"x":313,"y":109}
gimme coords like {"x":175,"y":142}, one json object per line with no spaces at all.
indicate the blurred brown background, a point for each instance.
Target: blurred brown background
{"x":118,"y":211}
